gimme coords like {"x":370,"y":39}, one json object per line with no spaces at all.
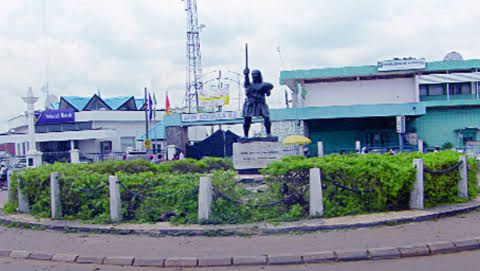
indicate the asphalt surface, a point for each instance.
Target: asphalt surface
{"x":445,"y":229}
{"x":466,"y":261}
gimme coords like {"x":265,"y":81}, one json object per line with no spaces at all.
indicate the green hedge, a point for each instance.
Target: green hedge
{"x":353,"y":184}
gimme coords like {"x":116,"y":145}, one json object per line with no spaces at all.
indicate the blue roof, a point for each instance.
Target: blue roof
{"x":139,"y":103}
{"x":116,"y":102}
{"x":78,"y":102}
{"x":55,"y":105}
{"x":156,"y":133}
{"x":367,"y":70}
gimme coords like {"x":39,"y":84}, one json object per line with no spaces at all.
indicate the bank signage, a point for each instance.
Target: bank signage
{"x":227,"y":115}
{"x":401,"y":64}
{"x":55,"y":116}
{"x":400,"y":121}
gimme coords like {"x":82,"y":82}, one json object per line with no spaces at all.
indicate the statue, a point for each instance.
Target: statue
{"x":255,"y":104}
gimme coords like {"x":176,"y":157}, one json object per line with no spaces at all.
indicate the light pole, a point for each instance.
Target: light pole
{"x":34,"y":157}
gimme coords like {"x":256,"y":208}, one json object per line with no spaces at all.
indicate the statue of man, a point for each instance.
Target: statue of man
{"x":255,"y":104}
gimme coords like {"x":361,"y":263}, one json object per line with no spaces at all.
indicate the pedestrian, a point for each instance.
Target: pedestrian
{"x":181,"y":156}
{"x":159,"y":159}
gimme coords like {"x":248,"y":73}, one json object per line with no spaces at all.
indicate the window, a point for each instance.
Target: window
{"x":433,"y":90}
{"x":437,"y":89}
{"x":127,"y":142}
{"x":459,"y":88}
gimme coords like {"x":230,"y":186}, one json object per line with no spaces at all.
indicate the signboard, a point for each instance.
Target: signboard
{"x":214,"y":95}
{"x":147,"y":143}
{"x":401,"y":124}
{"x":227,"y":115}
{"x":55,"y":116}
{"x":256,"y":155}
{"x":401,"y":64}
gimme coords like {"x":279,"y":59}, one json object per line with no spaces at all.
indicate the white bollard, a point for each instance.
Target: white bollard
{"x":23,"y":206}
{"x":11,"y":192}
{"x":463,"y":183}
{"x":358,"y":146}
{"x":416,"y":195}
{"x":316,"y":196}
{"x":204,"y":198}
{"x":420,"y":146}
{"x":320,"y":149}
{"x":55,"y":204}
{"x":115,"y":201}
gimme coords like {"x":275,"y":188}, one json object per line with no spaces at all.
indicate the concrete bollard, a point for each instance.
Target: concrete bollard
{"x":420,"y":146}
{"x":320,"y":149}
{"x":463,"y":183}
{"x":358,"y":146}
{"x":204,"y":198}
{"x":115,"y":201}
{"x":316,"y":196}
{"x":23,"y":206}
{"x":10,"y":191}
{"x":55,"y":204}
{"x":416,"y":195}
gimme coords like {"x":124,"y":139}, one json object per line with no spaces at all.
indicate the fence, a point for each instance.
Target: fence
{"x":207,"y":193}
{"x":96,"y":157}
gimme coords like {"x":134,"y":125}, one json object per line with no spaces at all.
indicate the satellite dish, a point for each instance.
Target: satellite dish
{"x":453,"y":56}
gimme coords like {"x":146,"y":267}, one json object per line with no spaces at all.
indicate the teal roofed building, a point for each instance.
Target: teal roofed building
{"x":342,"y":105}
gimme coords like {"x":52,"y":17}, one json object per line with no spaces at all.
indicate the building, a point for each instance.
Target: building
{"x":440,"y":100}
{"x":100,"y":128}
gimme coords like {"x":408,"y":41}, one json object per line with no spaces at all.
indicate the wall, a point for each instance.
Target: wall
{"x":386,"y":91}
{"x":438,"y":125}
{"x":341,"y":134}
{"x":89,"y":146}
{"x":122,"y":129}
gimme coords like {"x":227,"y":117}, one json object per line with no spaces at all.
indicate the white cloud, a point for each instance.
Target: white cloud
{"x":121,"y":46}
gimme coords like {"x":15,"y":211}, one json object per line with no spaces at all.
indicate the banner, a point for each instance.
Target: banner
{"x":227,"y":115}
{"x":55,"y":116}
{"x":401,"y":64}
{"x":214,"y":95}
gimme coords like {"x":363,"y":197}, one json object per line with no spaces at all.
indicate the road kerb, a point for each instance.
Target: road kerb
{"x":441,"y":247}
{"x":384,"y":253}
{"x":293,"y":259}
{"x":466,"y":244}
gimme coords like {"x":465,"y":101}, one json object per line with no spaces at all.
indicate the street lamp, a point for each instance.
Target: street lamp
{"x":34,"y":157}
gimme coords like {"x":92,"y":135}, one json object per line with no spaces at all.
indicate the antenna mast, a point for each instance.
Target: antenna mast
{"x":193,"y":82}
{"x":45,"y":88}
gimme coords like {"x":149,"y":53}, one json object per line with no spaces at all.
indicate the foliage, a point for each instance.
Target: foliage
{"x":447,"y":145}
{"x":352,"y":184}
{"x":204,"y":165}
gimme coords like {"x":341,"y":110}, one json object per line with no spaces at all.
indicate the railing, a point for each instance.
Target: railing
{"x":97,"y":157}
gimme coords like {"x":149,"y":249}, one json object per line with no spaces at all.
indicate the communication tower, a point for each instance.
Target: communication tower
{"x":193,"y":82}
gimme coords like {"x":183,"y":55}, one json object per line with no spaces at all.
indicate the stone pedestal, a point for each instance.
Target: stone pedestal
{"x":252,"y":154}
{"x":34,"y":158}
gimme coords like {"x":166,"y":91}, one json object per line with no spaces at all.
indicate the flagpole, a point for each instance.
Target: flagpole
{"x":146,"y":117}
{"x":154,"y":121}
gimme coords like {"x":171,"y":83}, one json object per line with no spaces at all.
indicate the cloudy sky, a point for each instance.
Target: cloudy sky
{"x":120,"y":46}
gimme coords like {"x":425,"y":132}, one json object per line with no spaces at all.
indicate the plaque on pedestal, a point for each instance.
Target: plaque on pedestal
{"x":252,"y":154}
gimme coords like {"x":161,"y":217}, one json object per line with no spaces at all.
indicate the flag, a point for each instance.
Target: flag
{"x":150,"y":109}
{"x":167,"y":105}
{"x":154,"y":106}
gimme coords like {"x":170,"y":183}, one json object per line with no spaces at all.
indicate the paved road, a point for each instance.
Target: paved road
{"x":466,"y":261}
{"x":451,"y":228}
